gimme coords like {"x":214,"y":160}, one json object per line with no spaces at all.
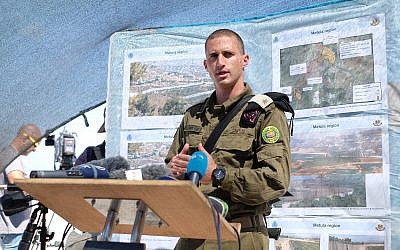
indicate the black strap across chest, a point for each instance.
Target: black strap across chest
{"x":281,"y":101}
{"x":213,"y":138}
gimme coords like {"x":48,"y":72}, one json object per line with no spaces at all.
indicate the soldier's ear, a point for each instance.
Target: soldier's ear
{"x":245,"y":60}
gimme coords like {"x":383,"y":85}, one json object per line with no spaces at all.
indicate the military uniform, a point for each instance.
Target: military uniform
{"x":253,"y":149}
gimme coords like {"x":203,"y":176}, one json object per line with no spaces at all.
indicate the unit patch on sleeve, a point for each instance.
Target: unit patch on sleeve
{"x":270,"y":134}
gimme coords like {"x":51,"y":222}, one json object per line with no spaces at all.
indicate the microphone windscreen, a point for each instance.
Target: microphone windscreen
{"x":118,"y":174}
{"x":116,"y":166}
{"x":93,"y":171}
{"x":112,"y":163}
{"x":153,"y":171}
{"x":198,"y":163}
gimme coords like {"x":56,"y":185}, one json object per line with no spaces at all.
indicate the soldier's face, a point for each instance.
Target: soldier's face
{"x":225,"y":61}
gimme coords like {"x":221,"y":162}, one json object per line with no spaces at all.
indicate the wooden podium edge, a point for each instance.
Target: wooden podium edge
{"x":76,"y":191}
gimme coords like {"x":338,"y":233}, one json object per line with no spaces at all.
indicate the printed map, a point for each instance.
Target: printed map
{"x":321,"y":75}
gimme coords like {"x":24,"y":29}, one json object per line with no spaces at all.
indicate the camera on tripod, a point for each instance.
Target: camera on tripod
{"x":64,"y":150}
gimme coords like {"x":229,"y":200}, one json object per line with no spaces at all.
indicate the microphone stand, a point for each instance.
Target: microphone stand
{"x":32,"y":227}
{"x":138,"y":225}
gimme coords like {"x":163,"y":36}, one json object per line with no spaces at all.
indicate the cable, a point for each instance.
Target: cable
{"x":217,"y":222}
{"x":238,"y":237}
{"x":66,"y":230}
{"x":93,"y":237}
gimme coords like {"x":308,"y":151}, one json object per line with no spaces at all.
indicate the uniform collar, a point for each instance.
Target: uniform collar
{"x":210,"y":102}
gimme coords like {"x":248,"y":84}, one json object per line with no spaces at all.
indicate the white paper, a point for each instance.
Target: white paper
{"x":367,"y":92}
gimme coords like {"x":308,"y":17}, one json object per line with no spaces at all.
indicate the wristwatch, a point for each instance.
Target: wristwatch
{"x":217,"y":176}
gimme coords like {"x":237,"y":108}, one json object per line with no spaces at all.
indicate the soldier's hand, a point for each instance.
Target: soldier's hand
{"x":210,"y":167}
{"x":178,"y":163}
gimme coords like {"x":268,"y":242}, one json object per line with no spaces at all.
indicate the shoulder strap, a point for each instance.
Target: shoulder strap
{"x":281,"y":101}
{"x":213,"y":138}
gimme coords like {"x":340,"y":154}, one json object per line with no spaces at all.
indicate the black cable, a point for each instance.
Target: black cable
{"x":238,"y":237}
{"x":85,"y":120}
{"x":217,"y":221}
{"x":93,"y":237}
{"x":49,"y":131}
{"x":66,"y":230}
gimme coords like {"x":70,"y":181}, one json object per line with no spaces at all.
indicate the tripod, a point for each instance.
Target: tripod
{"x":32,"y":227}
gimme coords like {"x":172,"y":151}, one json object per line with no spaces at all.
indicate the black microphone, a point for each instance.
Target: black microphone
{"x":112,"y":167}
{"x":81,"y":171}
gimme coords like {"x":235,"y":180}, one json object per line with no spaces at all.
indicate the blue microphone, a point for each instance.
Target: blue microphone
{"x":81,"y":171}
{"x":197,"y":167}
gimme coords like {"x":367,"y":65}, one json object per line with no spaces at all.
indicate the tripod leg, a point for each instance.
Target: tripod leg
{"x":29,"y":231}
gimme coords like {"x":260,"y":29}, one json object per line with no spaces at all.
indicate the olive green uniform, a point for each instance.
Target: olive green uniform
{"x":256,"y":159}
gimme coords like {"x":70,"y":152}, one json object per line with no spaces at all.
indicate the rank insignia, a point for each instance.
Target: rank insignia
{"x":270,"y":134}
{"x":250,"y":116}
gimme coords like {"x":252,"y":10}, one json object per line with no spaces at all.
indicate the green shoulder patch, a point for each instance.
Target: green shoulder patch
{"x":270,"y":134}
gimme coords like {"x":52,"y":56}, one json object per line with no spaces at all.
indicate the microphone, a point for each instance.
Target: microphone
{"x":81,"y":171}
{"x":197,"y":167}
{"x":154,"y":171}
{"x":116,"y":166}
{"x":112,"y":167}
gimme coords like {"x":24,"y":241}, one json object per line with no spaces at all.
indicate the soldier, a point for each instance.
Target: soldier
{"x":250,"y":163}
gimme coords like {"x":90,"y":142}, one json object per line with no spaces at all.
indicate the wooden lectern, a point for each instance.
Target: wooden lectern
{"x":184,"y":209}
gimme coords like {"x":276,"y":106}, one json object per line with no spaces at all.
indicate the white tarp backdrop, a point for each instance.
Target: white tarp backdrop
{"x":57,"y":59}
{"x":54,"y":55}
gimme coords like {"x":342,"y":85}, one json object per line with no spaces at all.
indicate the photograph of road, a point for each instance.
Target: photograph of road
{"x":140,"y":153}
{"x":344,"y":242}
{"x":297,"y":242}
{"x":162,"y":88}
{"x":147,"y":146}
{"x":331,"y":159}
{"x":330,"y":234}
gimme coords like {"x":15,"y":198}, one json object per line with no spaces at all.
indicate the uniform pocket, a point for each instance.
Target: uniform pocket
{"x":193,"y":135}
{"x":272,"y":154}
{"x":234,"y":150}
{"x":235,"y":142}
